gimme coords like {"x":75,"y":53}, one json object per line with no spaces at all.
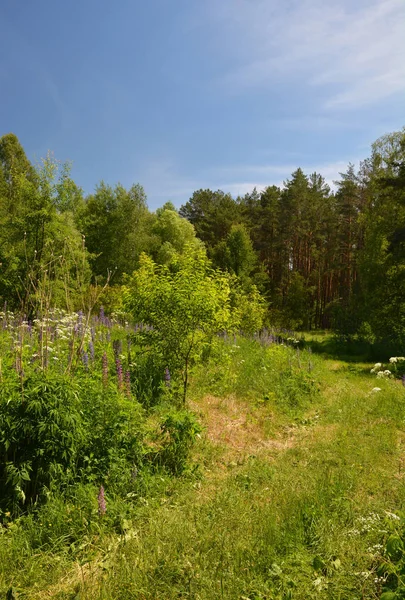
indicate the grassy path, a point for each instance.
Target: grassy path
{"x":294,"y":513}
{"x":286,"y":507}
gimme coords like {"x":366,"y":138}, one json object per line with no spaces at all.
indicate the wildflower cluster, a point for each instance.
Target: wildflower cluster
{"x":60,"y":342}
{"x":397,"y":368}
{"x":380,"y":372}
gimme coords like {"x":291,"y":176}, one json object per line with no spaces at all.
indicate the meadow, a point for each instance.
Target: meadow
{"x":281,"y":477}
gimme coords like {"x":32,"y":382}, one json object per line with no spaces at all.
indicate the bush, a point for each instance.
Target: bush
{"x":41,"y":435}
{"x":114,"y":434}
{"x":147,"y":374}
{"x":56,"y":431}
{"x":178,"y":431}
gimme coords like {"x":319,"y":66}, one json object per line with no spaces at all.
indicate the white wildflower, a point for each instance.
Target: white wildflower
{"x":392,"y":516}
{"x":376,"y":389}
{"x":393,"y":359}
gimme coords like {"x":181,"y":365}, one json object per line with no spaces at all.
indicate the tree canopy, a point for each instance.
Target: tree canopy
{"x":320,"y":257}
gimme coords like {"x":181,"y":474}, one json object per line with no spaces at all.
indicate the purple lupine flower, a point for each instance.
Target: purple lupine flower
{"x":85,"y":360}
{"x":105,"y":369}
{"x":102,"y":507}
{"x":403,"y":380}
{"x":128,"y":383}
{"x":102,"y":315}
{"x":167,"y":377}
{"x":119,"y":372}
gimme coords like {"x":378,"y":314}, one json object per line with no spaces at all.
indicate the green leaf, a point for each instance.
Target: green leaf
{"x":394,"y":547}
{"x":389,"y":596}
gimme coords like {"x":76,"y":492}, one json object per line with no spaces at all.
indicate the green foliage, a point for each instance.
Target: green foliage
{"x":117,"y":227}
{"x":183,"y":307}
{"x":38,"y":238}
{"x":248,"y":308}
{"x":42,"y":435}
{"x":272,"y":375}
{"x":382,"y":256}
{"x":319,"y":258}
{"x":296,"y":308}
{"x":174,"y":235}
{"x":391,"y":567}
{"x":235,"y":253}
{"x":178,"y":432}
{"x":58,"y":430}
{"x":147,"y":369}
{"x":115,"y":434}
{"x":293,"y":497}
{"x":212,"y":214}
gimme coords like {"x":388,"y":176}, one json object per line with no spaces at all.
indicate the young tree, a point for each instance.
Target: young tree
{"x":184,"y":306}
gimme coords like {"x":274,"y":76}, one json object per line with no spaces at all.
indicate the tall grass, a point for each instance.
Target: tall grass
{"x":307,"y":514}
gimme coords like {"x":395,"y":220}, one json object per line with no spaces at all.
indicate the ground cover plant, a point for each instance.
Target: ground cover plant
{"x":68,"y":413}
{"x":282,"y":478}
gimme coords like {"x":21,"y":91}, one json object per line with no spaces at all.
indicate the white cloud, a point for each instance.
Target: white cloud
{"x":353,"y":52}
{"x":163,"y":181}
{"x":262,"y":176}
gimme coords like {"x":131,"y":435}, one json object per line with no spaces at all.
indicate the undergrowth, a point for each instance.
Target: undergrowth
{"x":317,"y":517}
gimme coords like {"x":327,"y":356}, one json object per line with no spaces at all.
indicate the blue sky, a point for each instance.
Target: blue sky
{"x":186,"y":94}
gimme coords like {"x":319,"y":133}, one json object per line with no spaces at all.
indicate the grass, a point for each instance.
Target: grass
{"x":301,"y":465}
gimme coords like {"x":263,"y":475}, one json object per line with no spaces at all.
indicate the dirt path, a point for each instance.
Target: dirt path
{"x":238,"y":429}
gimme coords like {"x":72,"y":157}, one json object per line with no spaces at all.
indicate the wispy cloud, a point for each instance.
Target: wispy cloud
{"x":261,"y":176}
{"x":163,"y":181}
{"x":353,"y":52}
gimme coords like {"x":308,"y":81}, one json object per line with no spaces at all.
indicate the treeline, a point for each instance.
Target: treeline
{"x":320,"y":257}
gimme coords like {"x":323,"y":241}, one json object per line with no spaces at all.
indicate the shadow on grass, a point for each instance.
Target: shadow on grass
{"x":349,"y":351}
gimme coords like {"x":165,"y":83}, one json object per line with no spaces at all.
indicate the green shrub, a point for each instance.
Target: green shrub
{"x":114,"y":434}
{"x":147,"y":373}
{"x":41,"y":435}
{"x":178,"y":432}
{"x":59,"y":431}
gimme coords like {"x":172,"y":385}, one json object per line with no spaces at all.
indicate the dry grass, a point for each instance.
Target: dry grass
{"x":239,"y":428}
